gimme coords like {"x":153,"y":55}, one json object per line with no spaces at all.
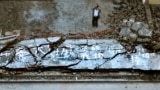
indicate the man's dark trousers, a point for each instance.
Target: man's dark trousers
{"x":95,"y":21}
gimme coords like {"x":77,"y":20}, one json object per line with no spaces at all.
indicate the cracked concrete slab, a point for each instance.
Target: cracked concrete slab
{"x":102,"y":54}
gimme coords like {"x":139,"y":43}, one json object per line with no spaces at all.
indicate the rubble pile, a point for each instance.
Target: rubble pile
{"x":127,"y":9}
{"x":135,"y":31}
{"x":130,"y":20}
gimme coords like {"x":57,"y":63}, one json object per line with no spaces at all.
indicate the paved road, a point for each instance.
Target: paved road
{"x":80,"y":86}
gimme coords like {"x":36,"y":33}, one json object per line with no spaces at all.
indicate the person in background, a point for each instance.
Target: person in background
{"x":95,"y":16}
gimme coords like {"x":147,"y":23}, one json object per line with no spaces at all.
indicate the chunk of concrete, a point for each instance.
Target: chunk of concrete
{"x":125,"y":31}
{"x":130,"y":22}
{"x":136,"y":26}
{"x":124,"y":23}
{"x":133,"y":36}
{"x":146,"y":39}
{"x":143,"y":39}
{"x":145,"y":26}
{"x":8,"y":33}
{"x":139,"y":39}
{"x":145,"y":33}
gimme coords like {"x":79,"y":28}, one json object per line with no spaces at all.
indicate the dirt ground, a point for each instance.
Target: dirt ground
{"x":25,"y":15}
{"x":76,"y":16}
{"x":57,"y":15}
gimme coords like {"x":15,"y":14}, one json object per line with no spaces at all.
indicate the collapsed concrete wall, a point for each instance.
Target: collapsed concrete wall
{"x":79,"y":54}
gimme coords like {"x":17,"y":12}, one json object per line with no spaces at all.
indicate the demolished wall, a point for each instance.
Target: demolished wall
{"x":77,"y":54}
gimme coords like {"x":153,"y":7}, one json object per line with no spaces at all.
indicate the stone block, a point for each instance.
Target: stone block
{"x":136,"y":26}
{"x":139,"y":39}
{"x":124,"y":23}
{"x":146,"y":40}
{"x":8,"y":33}
{"x":133,"y":36}
{"x":125,"y":31}
{"x":125,"y":38}
{"x":145,"y":26}
{"x":130,"y":22}
{"x":143,"y":40}
{"x":145,"y":33}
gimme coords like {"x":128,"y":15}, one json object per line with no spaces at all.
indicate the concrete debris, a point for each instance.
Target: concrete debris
{"x":131,"y":11}
{"x":102,"y":54}
{"x":130,"y":22}
{"x":136,"y":26}
{"x":133,"y":37}
{"x":125,"y":31}
{"x":135,"y":31}
{"x":145,"y":33}
{"x":8,"y":33}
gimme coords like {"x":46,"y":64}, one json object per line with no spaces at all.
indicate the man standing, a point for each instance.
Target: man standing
{"x":95,"y":16}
